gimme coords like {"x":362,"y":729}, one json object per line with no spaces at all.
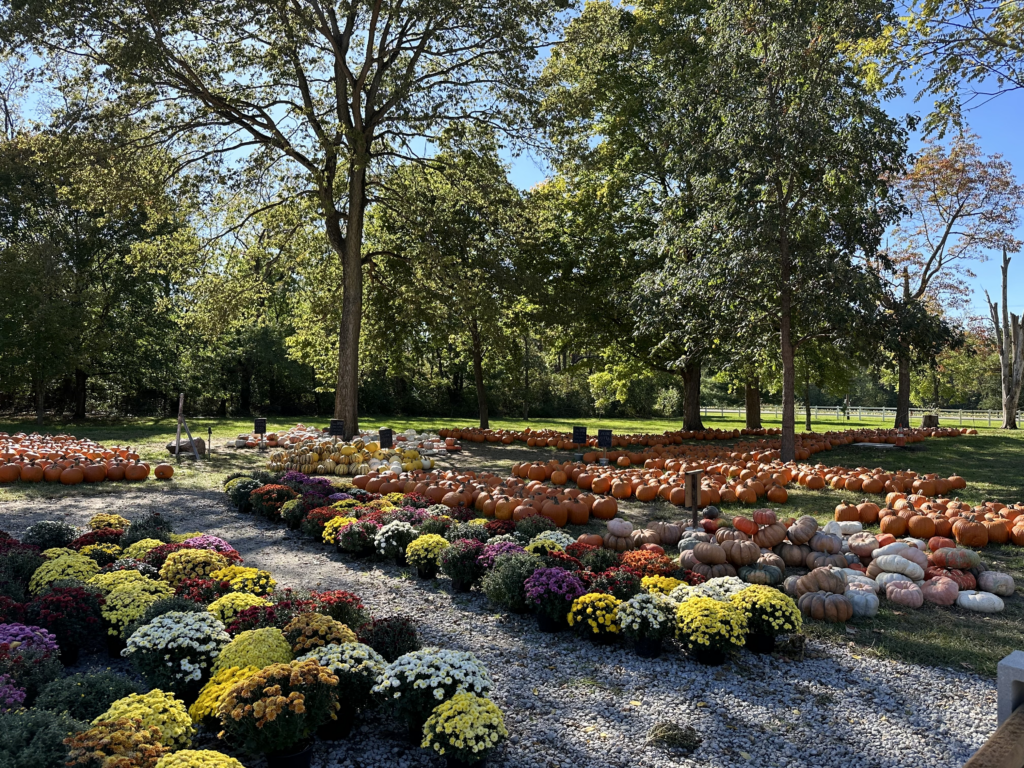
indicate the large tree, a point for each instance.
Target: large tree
{"x":963,"y":52}
{"x":449,"y":239}
{"x":799,"y":150}
{"x":1009,"y":335}
{"x":321,"y":93}
{"x":960,"y":204}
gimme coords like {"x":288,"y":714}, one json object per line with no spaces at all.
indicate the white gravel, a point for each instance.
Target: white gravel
{"x":570,"y":703}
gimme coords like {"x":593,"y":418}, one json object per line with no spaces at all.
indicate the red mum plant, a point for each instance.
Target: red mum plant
{"x":500,"y":527}
{"x":693,"y":578}
{"x":315,"y":520}
{"x":341,"y":606}
{"x":646,"y":563}
{"x":268,"y":500}
{"x":11,"y":611}
{"x":101,"y":536}
{"x":563,"y":560}
{"x":202,"y":591}
{"x":576,"y":549}
{"x":72,"y":614}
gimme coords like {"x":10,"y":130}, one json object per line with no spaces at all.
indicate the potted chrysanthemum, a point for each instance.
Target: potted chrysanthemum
{"x":646,"y":620}
{"x":769,"y":613}
{"x":710,"y":628}
{"x":550,"y":593}
{"x":464,"y":729}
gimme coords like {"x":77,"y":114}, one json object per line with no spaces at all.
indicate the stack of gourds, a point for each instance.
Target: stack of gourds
{"x":332,"y":456}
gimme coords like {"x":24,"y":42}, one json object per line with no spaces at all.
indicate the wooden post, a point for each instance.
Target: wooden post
{"x":177,"y":438}
{"x":691,"y":492}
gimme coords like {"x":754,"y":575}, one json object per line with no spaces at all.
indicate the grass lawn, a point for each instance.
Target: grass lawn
{"x":992,"y":462}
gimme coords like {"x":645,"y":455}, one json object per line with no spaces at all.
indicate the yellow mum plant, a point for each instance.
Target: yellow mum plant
{"x":73,"y":566}
{"x":660,"y":584}
{"x":129,"y":603}
{"x":103,"y":520}
{"x":191,"y":564}
{"x":137,"y":550}
{"x":227,"y":607}
{"x":768,"y":611}
{"x":314,"y":630}
{"x":212,"y":695}
{"x":332,"y":526}
{"x":54,"y":552}
{"x":198,"y":758}
{"x":255,"y":648}
{"x":158,"y":709}
{"x":464,"y":727}
{"x":112,"y":580}
{"x":425,"y":551}
{"x":713,"y":625}
{"x":244,"y":579}
{"x":594,"y":614}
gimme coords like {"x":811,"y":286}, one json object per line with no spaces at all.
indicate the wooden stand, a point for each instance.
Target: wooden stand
{"x":183,"y":423}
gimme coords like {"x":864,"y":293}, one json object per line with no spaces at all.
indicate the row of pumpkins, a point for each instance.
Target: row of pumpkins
{"x":737,"y":481}
{"x":73,"y":471}
{"x":843,"y":569}
{"x":920,"y":517}
{"x":70,"y":460}
{"x":564,"y":440}
{"x":507,"y":498}
{"x":332,"y":456}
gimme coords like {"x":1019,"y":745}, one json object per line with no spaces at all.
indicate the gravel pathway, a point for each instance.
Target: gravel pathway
{"x":570,"y":703}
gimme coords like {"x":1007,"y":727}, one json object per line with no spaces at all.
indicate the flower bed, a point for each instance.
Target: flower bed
{"x":269,"y":689}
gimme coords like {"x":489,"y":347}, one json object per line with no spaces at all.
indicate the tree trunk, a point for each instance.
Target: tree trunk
{"x":245,"y":392}
{"x":80,"y":379}
{"x":526,"y":377}
{"x":691,"y":397}
{"x":788,"y":447}
{"x":752,"y":396}
{"x":478,"y":375}
{"x":903,"y":391}
{"x":346,"y":395}
{"x":807,"y":404}
{"x":1010,"y":343}
{"x":40,"y":387}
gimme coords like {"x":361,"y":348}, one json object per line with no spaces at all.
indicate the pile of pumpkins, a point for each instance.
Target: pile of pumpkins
{"x":426,"y":443}
{"x":807,"y":444}
{"x":69,"y":460}
{"x":332,"y":456}
{"x":492,"y":496}
{"x":738,"y":480}
{"x":920,"y":517}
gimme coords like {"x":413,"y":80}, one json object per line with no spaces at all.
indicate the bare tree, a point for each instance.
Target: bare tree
{"x":1010,"y":342}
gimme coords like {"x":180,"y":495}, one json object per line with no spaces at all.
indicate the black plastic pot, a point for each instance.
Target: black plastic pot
{"x":547,"y":624}
{"x":648,"y":647}
{"x":426,"y":572}
{"x":300,"y":759}
{"x":760,"y":643}
{"x":709,"y":657}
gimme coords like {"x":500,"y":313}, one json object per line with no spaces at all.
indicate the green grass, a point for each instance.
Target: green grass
{"x":990,"y":461}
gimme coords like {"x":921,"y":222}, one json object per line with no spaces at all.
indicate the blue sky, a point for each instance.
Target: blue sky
{"x":999,"y":126}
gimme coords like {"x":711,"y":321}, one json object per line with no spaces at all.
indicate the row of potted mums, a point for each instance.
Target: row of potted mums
{"x":528,"y":566}
{"x":217,"y":651}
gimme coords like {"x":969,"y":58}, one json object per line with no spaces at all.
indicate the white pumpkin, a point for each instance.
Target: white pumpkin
{"x":863,"y":599}
{"x":891,"y":549}
{"x":884,"y":579}
{"x":858,"y":577}
{"x":619,"y":527}
{"x":982,"y":602}
{"x":915,"y":555}
{"x":863,"y":544}
{"x":997,"y":583}
{"x":897,"y":564}
{"x":916,"y":543}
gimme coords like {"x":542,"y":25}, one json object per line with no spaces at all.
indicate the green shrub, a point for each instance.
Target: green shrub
{"x":531,"y":526}
{"x":86,"y":696}
{"x":238,"y":492}
{"x":467,"y":531}
{"x":50,"y":534}
{"x":152,"y":526}
{"x":503,"y":584}
{"x":599,"y":560}
{"x":16,"y":568}
{"x":391,"y":636}
{"x":34,"y":738}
